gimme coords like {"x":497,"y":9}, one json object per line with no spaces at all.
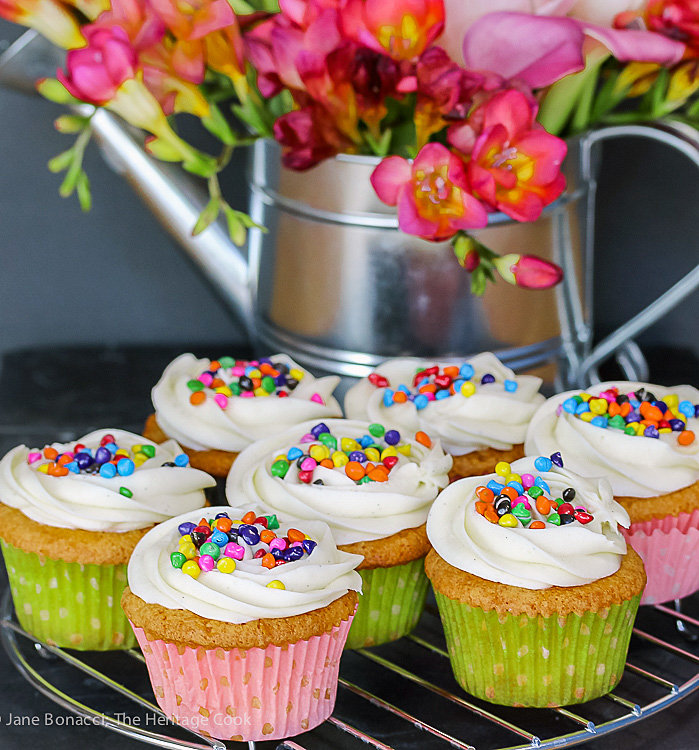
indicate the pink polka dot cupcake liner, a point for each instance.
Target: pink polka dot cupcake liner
{"x":517,"y":660}
{"x":68,"y":604}
{"x":669,"y":548}
{"x":247,"y":694}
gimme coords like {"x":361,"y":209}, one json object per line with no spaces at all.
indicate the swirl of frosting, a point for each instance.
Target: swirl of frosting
{"x":492,"y":417}
{"x":310,"y":583}
{"x":355,"y":512}
{"x":93,"y":502}
{"x":232,"y":427}
{"x":530,"y":558}
{"x":636,"y":466}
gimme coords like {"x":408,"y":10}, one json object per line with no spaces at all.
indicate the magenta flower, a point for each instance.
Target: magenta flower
{"x":528,"y":271}
{"x":94,"y":73}
{"x":432,"y":194}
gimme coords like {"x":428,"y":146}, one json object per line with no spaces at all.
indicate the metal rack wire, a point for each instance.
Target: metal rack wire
{"x":663,"y":668}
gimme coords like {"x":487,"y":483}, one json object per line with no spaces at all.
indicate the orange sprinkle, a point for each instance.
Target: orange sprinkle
{"x":481,"y":506}
{"x":50,"y":453}
{"x":294,"y":535}
{"x":256,"y":382}
{"x":613,"y":409}
{"x":510,"y":492}
{"x":429,"y":388}
{"x":215,"y":365}
{"x":268,"y":561}
{"x":537,"y":525}
{"x":543,"y":505}
{"x":249,"y":517}
{"x":267,"y":535}
{"x":423,"y":438}
{"x":490,"y":514}
{"x":649,"y":422}
{"x":354,"y":470}
{"x":224,"y":524}
{"x":399,"y":397}
{"x":686,"y":437}
{"x":485,"y":494}
{"x":198,"y":397}
{"x":648,"y":411}
{"x":203,"y":522}
{"x":217,"y":383}
{"x":327,"y":463}
{"x":625,"y":409}
{"x":65,"y":459}
{"x":377,"y":475}
{"x":451,"y":371}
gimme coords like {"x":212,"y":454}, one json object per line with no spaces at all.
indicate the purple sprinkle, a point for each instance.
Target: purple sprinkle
{"x":320,"y":428}
{"x":392,"y":437}
{"x":676,"y":425}
{"x":186,"y":528}
{"x":651,"y":432}
{"x":358,"y":456}
{"x":633,"y":416}
{"x":557,"y":459}
{"x":487,"y":378}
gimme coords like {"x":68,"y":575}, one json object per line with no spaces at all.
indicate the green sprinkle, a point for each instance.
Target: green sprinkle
{"x":177,"y":559}
{"x":235,"y":389}
{"x":617,"y":422}
{"x":519,"y":511}
{"x":272,"y":522}
{"x":327,"y":439}
{"x":535,"y":492}
{"x":125,"y":492}
{"x":280,"y":468}
{"x":630,"y":431}
{"x":377,"y":430}
{"x":226,"y":361}
{"x":555,"y":519}
{"x":148,"y":450}
{"x":195,"y":385}
{"x":209,"y":548}
{"x":365,"y":480}
{"x":268,"y":384}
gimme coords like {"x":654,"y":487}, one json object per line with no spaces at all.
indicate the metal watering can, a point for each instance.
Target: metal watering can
{"x":338,"y":287}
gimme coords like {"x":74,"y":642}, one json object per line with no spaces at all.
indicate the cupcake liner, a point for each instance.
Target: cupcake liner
{"x":390,"y":605}
{"x":247,"y":694}
{"x":516,"y":660}
{"x":68,"y":604}
{"x":669,"y":548}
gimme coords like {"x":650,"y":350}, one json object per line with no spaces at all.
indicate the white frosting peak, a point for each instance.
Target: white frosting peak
{"x":93,"y":502}
{"x":636,"y":466}
{"x":570,"y":555}
{"x":207,"y":426}
{"x":354,"y":512}
{"x":491,"y":418}
{"x":312,"y":582}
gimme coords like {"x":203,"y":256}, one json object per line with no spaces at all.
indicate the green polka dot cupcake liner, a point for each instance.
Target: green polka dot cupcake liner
{"x":390,"y":605}
{"x":69,"y":604}
{"x":517,"y":660}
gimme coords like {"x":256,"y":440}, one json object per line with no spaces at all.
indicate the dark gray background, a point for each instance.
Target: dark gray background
{"x":114,"y":275}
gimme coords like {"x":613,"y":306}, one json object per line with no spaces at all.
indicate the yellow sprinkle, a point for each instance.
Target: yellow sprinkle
{"x":513,"y":478}
{"x":390,"y":451}
{"x":502,"y":468}
{"x":640,"y":429}
{"x":137,"y":448}
{"x":585,"y":397}
{"x":281,"y":457}
{"x":186,"y":539}
{"x":139,"y":459}
{"x":404,"y":449}
{"x":598,"y":405}
{"x":191,"y":568}
{"x":188,"y":550}
{"x":296,"y":374}
{"x":121,"y":452}
{"x":254,"y":374}
{"x":225,"y":565}
{"x":664,"y":429}
{"x":340,"y":459}
{"x":319,"y":452}
{"x":508,"y":520}
{"x":271,"y":584}
{"x":348,"y":445}
{"x":587,"y":416}
{"x":44,"y":468}
{"x":372,"y":454}
{"x":260,"y":391}
{"x":225,"y":390}
{"x":468,"y":389}
{"x":672,"y":400}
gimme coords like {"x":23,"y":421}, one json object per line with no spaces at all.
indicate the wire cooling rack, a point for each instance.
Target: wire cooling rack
{"x":399,"y":696}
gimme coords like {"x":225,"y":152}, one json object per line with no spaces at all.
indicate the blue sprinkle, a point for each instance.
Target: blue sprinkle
{"x":442,"y":394}
{"x":218,"y":537}
{"x":635,"y":403}
{"x":466,"y":371}
{"x":517,"y":486}
{"x":511,"y":386}
{"x":686,"y":408}
{"x":365,"y":441}
{"x":660,"y":405}
{"x":112,"y":447}
{"x":424,"y":381}
{"x":125,"y":467}
{"x":582,"y":408}
{"x":108,"y":471}
{"x":457,"y":384}
{"x":496,"y":487}
{"x":405,"y":389}
{"x":599,"y":421}
{"x":294,"y":453}
{"x":421,"y":400}
{"x":73,"y":466}
{"x":182,"y":459}
{"x":249,"y":369}
{"x":570,"y":405}
{"x":651,"y":432}
{"x":539,"y":482}
{"x":696,"y":410}
{"x":542,"y":463}
{"x":388,"y":397}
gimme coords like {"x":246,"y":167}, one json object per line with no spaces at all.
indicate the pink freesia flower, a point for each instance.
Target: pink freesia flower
{"x":432,"y":194}
{"x":528,"y":271}
{"x":515,"y":165}
{"x":48,"y":17}
{"x":403,"y":29}
{"x":541,"y":50}
{"x":94,"y":73}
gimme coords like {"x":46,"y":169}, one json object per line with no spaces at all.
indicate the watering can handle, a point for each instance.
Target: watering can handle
{"x":620,"y":343}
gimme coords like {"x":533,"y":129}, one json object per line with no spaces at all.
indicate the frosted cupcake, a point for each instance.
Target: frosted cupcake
{"x":215,"y":408}
{"x":242,"y":619}
{"x":535,"y":585}
{"x":374,"y":488}
{"x":70,"y":516}
{"x":479,"y":410}
{"x":642,"y":438}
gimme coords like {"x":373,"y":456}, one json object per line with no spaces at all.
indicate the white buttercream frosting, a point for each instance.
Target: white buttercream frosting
{"x":207,"y":426}
{"x":354,"y":512}
{"x":310,"y":583}
{"x":93,"y":502}
{"x":492,"y":417}
{"x":570,"y":555}
{"x":636,"y":466}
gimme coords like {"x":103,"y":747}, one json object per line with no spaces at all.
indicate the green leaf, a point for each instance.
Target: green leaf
{"x":241,"y":8}
{"x":71,"y":123}
{"x":55,"y":91}
{"x":62,"y":161}
{"x":201,"y":164}
{"x":84,"y":192}
{"x":236,"y":228}
{"x":382,"y":146}
{"x":207,"y":217}
{"x":478,"y":282}
{"x":71,"y":180}
{"x":658,"y":93}
{"x":217,"y":124}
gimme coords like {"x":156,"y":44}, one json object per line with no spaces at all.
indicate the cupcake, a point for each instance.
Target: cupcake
{"x":536,"y":588}
{"x":373,"y":487}
{"x":479,"y":410}
{"x":70,"y":516}
{"x":215,"y":408}
{"x":242,"y":619}
{"x":642,"y":438}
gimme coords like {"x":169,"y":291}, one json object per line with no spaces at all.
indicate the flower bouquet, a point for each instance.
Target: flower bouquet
{"x":465,"y":102}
